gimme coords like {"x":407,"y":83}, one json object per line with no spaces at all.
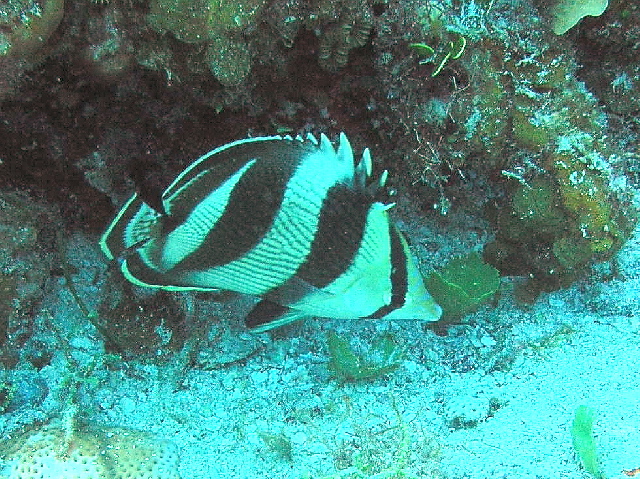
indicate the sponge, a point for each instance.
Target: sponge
{"x":89,"y":453}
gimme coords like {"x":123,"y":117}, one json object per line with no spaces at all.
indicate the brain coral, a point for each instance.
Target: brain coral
{"x":89,"y":453}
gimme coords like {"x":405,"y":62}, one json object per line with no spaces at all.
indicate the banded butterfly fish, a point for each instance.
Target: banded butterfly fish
{"x":291,"y":220}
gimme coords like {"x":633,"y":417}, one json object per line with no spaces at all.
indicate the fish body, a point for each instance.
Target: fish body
{"x":291,"y":220}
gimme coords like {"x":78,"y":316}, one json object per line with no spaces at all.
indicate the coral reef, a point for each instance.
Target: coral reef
{"x":562,"y":221}
{"x":135,"y":327}
{"x":110,"y":49}
{"x":227,"y":40}
{"x":609,"y":59}
{"x":25,"y":28}
{"x":477,"y":104}
{"x":511,"y":107}
{"x":27,"y":25}
{"x":477,"y":109}
{"x":342,"y":26}
{"x":217,"y":24}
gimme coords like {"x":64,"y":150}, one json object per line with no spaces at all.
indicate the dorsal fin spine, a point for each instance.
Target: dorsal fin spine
{"x":325,"y":144}
{"x":345,"y":152}
{"x":383,"y":178}
{"x":364,"y":169}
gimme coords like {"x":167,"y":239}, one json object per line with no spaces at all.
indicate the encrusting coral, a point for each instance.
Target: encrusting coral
{"x":609,"y":60}
{"x":234,"y":35}
{"x":25,"y":28}
{"x":26,"y":25}
{"x":217,"y":24}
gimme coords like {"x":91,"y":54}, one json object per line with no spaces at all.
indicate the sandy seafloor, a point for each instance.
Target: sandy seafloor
{"x":494,"y":398}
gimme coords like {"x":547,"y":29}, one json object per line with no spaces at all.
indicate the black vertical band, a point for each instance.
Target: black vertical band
{"x":249,"y":213}
{"x":341,"y":226}
{"x":399,"y":275}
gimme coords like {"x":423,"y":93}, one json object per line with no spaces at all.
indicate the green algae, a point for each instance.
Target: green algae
{"x":584,"y":442}
{"x":463,"y":285}
{"x":383,"y":357}
{"x":279,"y":444}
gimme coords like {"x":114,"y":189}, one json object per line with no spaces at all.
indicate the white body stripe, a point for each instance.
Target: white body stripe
{"x":138,"y":228}
{"x":275,"y":259}
{"x":366,"y":285}
{"x":190,"y":235}
{"x":171,"y":191}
